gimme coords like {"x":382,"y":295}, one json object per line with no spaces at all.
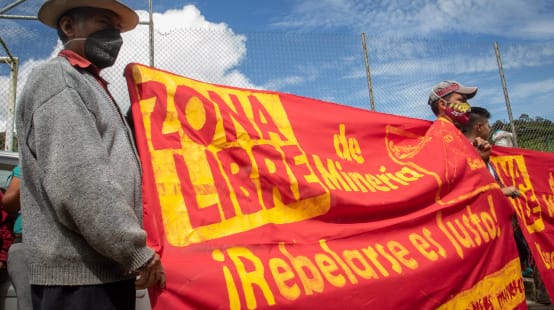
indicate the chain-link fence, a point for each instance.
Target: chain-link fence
{"x":8,"y":106}
{"x":326,"y":66}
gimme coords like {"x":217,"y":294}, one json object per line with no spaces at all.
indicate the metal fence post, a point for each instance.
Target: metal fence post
{"x":13,"y":62}
{"x":368,"y":73}
{"x":151,"y":32}
{"x":505,"y":89}
{"x":14,"y":67}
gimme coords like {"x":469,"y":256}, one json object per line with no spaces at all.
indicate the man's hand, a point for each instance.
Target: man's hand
{"x":483,"y":147}
{"x":150,"y":274}
{"x":511,"y":191}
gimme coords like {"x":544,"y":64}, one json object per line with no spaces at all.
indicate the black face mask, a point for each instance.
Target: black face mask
{"x":102,"y":47}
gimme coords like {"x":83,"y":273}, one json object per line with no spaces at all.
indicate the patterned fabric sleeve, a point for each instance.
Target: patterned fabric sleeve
{"x":6,"y":235}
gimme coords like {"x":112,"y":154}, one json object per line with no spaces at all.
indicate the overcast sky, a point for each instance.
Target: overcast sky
{"x":313,"y":48}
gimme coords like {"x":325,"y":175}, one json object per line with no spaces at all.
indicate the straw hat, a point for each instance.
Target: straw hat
{"x":51,"y":11}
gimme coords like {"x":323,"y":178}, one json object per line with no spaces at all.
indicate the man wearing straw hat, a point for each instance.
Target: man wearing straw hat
{"x":81,"y":194}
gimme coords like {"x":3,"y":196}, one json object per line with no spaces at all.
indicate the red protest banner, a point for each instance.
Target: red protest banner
{"x":532,"y":173}
{"x":259,"y":199}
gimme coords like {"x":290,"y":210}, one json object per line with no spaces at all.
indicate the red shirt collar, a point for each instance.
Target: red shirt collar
{"x":79,"y":61}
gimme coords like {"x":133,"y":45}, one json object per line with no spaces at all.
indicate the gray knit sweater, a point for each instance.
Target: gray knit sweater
{"x":81,"y":194}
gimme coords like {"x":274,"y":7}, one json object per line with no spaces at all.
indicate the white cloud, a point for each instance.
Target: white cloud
{"x":403,"y":68}
{"x":523,"y":90}
{"x":185,"y":44}
{"x":24,"y":71}
{"x":414,"y":44}
{"x":282,"y":82}
{"x":529,"y":98}
{"x":527,"y":54}
{"x":504,"y":18}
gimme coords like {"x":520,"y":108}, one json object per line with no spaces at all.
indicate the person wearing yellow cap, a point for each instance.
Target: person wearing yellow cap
{"x":81,"y":178}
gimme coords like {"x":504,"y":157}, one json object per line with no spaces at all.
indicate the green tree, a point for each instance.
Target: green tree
{"x":535,"y":134}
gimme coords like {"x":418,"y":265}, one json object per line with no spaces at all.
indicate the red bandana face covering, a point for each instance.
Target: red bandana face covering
{"x":458,"y":112}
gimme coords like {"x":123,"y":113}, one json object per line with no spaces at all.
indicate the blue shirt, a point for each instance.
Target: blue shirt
{"x":17,"y":225}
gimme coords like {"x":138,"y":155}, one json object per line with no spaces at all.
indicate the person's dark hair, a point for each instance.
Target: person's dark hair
{"x":497,"y":126}
{"x":79,"y":14}
{"x":477,"y":114}
{"x":482,"y":112}
{"x":435,"y":104}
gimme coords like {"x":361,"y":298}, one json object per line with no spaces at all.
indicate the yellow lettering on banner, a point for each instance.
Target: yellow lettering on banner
{"x":295,"y":276}
{"x":335,"y":178}
{"x":513,"y":171}
{"x":408,"y":174}
{"x":309,"y":275}
{"x":256,"y":280}
{"x":329,"y":270}
{"x":376,"y":183}
{"x":461,"y":234}
{"x":422,"y":246}
{"x":251,"y":279}
{"x":351,"y":185}
{"x":547,"y":258}
{"x":401,"y":253}
{"x":440,"y":249}
{"x":387,"y":177}
{"x":217,"y":151}
{"x":549,"y":199}
{"x":234,"y":301}
{"x":477,"y":163}
{"x":347,"y":148}
{"x":362,"y":267}
{"x":428,"y":247}
{"x":467,"y":223}
{"x":549,"y":203}
{"x":448,"y":235}
{"x":476,"y":221}
{"x":373,"y":255}
{"x":458,"y":230}
{"x":500,"y":290}
{"x":351,"y":277}
{"x":490,"y":220}
{"x":282,"y":273}
{"x":214,"y":153}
